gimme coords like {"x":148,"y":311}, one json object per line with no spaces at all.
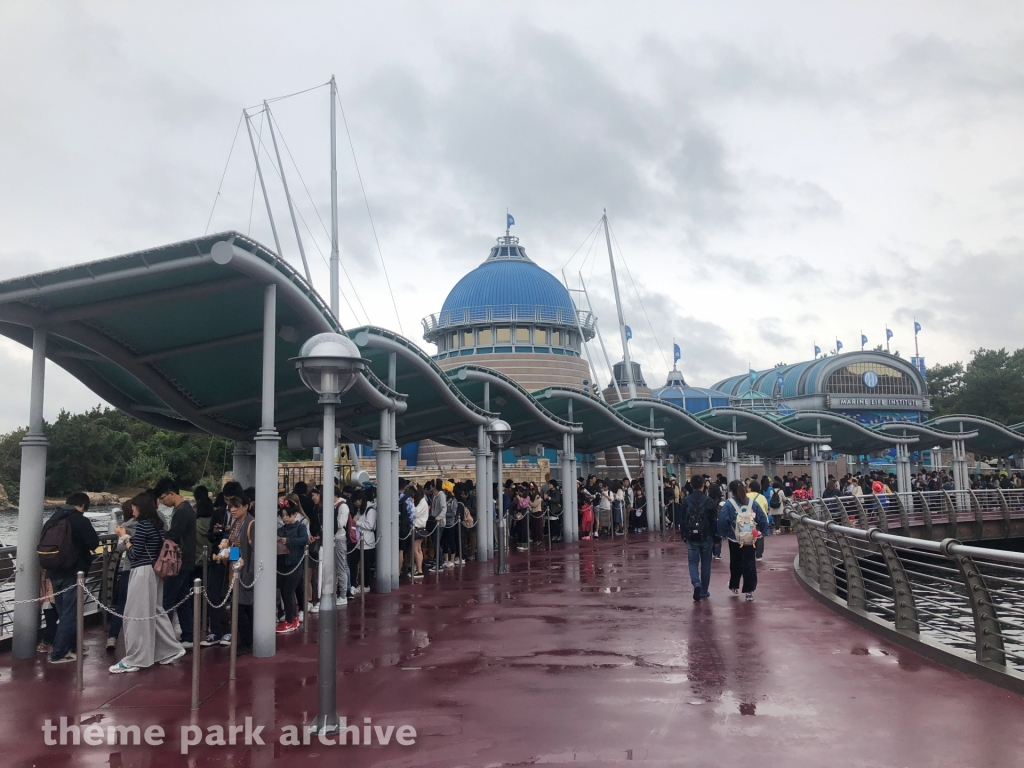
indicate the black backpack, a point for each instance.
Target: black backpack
{"x":775,"y":502}
{"x":695,"y":521}
{"x":56,"y":548}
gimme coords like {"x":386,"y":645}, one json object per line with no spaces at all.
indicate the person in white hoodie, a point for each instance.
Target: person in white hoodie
{"x":366,"y":530}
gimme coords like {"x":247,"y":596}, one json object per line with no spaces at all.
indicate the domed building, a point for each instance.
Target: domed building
{"x":692,"y":399}
{"x":511,"y":315}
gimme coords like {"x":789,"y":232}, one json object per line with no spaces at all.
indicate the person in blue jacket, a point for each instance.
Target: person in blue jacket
{"x":742,"y":522}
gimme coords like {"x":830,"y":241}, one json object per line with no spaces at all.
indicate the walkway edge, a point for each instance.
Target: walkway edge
{"x":1009,"y":680}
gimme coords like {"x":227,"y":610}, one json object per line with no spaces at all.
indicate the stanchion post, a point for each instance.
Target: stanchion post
{"x":105,"y":590}
{"x":437,"y":549}
{"x":80,"y":633}
{"x":236,"y":568}
{"x":363,"y":581}
{"x":305,"y":591}
{"x":197,"y":610}
{"x":206,"y":580}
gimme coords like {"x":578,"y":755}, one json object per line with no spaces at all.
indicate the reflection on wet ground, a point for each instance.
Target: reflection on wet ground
{"x":592,"y":654}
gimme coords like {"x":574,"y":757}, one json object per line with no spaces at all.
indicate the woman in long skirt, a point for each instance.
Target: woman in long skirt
{"x":148,"y":634}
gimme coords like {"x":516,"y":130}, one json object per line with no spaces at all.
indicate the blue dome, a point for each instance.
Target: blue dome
{"x":509,"y":279}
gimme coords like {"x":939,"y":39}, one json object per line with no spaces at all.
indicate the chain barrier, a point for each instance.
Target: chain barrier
{"x":163,"y":611}
{"x":255,"y":578}
{"x":297,"y":566}
{"x":41,"y":598}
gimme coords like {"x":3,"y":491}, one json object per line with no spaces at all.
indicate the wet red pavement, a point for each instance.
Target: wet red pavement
{"x":586,"y":655}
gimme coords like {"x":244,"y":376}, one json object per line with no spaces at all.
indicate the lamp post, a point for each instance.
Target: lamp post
{"x":498,"y":432}
{"x":328,"y":364}
{"x":660,"y":445}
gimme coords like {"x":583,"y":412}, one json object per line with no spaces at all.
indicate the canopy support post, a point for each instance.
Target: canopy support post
{"x":483,"y":493}
{"x":267,"y":439}
{"x":384,"y":483}
{"x":732,"y":460}
{"x":30,"y":507}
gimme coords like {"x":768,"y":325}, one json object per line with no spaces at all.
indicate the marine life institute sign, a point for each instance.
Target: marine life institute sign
{"x":845,"y":402}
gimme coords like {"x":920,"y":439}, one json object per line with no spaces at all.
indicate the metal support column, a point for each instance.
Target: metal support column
{"x":384,"y":537}
{"x":483,"y":495}
{"x":264,"y":610}
{"x":732,"y":460}
{"x":392,"y":495}
{"x":903,"y":468}
{"x":243,"y":465}
{"x":818,"y":478}
{"x":30,"y":507}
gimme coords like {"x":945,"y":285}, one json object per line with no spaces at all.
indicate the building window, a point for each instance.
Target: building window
{"x":540,"y":336}
{"x":467,"y":339}
{"x":504,"y":335}
{"x":523,"y":335}
{"x":454,"y":343}
{"x":556,"y":338}
{"x":485,"y":337}
{"x":851,"y":380}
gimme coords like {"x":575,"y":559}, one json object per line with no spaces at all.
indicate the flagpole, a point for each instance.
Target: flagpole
{"x":887,"y":339}
{"x":917,"y":352}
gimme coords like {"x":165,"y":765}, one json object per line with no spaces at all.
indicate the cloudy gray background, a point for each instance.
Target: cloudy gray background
{"x":775,"y":173}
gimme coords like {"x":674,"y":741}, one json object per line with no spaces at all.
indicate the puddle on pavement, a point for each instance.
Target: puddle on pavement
{"x":869,"y":652}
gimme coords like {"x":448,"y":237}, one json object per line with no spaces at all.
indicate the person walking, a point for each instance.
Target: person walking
{"x":148,"y":634}
{"x":698,"y":525}
{"x":67,"y":522}
{"x":742,"y":521}
{"x":183,"y":533}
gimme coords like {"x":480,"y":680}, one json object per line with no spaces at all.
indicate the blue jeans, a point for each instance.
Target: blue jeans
{"x":67,"y":620}
{"x":699,"y":557}
{"x":175,"y":589}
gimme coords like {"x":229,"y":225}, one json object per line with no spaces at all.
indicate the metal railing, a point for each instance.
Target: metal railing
{"x":533,"y":313}
{"x":965,"y":600}
{"x":99,"y":580}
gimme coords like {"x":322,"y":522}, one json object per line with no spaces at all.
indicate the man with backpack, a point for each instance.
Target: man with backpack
{"x":699,"y":523}
{"x":66,"y":547}
{"x":182,"y":532}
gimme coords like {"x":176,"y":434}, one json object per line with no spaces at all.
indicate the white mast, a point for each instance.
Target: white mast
{"x":263,"y":186}
{"x":335,"y":259}
{"x":287,"y":194}
{"x":618,"y":306}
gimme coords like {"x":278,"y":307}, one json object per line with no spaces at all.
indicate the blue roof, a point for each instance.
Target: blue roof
{"x":693,"y":399}
{"x":509,"y":279}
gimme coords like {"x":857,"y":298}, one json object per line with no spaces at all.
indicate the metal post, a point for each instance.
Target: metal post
{"x":263,"y":186}
{"x":105,"y":580}
{"x":362,"y":568}
{"x":383,"y":576}
{"x":206,"y":580}
{"x":236,"y":569}
{"x":335,"y":259}
{"x":502,"y":532}
{"x":305,"y":590}
{"x":267,"y":439}
{"x":732,"y":460}
{"x":197,"y":610}
{"x":618,"y":306}
{"x":79,"y":632}
{"x":458,"y":523}
{"x":327,"y":699}
{"x":391,"y":496}
{"x":287,"y":195}
{"x":483,"y":493}
{"x":30,"y":508}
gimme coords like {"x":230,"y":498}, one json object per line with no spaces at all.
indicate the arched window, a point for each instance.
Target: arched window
{"x":870,"y":379}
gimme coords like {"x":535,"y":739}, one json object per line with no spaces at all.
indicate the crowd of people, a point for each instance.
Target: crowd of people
{"x":165,"y":540}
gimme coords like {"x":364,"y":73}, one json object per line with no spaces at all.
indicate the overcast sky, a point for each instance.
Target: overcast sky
{"x":776,"y":174}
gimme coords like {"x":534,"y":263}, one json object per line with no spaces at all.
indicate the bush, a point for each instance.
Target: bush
{"x":144,"y":471}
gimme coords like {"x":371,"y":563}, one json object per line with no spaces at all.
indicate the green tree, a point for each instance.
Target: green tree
{"x":945,"y":383}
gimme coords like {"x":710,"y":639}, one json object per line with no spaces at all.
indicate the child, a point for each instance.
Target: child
{"x":588,"y":520}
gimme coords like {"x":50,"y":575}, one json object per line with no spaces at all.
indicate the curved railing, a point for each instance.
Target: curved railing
{"x":958,"y":604}
{"x":532,"y":313}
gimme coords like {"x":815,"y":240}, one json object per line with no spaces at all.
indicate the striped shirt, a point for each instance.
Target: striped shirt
{"x":147,"y":542}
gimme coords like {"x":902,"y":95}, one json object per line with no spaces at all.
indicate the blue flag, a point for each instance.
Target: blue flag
{"x":753,"y":376}
{"x":863,"y":339}
{"x":629,"y":333}
{"x":839,"y":345}
{"x":509,"y":220}
{"x":917,"y":326}
{"x":888,"y":334}
{"x":676,"y":353}
{"x":817,"y":350}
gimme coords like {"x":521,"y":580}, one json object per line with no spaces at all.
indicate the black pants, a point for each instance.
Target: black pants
{"x":220,"y":618}
{"x":244,"y":628}
{"x":742,"y":562}
{"x":287,"y":586}
{"x":369,"y":568}
{"x":114,"y":628}
{"x":450,"y":540}
{"x":175,"y":590}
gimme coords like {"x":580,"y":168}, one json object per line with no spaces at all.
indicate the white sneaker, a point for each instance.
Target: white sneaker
{"x":121,"y":668}
{"x":342,"y":600}
{"x":226,"y":640}
{"x":314,"y":608}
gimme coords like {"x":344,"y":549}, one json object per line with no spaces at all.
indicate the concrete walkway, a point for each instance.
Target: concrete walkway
{"x":595,"y":654}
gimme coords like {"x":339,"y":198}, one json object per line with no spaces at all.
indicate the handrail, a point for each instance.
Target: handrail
{"x":957,"y":603}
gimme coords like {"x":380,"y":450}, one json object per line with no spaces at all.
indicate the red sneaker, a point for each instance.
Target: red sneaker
{"x":285,"y":627}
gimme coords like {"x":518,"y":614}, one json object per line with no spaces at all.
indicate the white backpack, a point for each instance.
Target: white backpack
{"x":745,"y":526}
